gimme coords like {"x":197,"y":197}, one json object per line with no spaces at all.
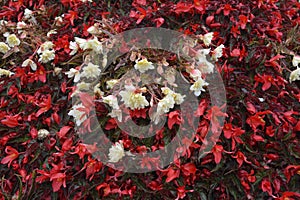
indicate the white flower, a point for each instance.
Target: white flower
{"x":74,"y":47}
{"x":59,"y":20}
{"x":195,"y":74}
{"x":42,"y":133}
{"x":91,"y":44}
{"x":116,"y":152}
{"x":31,"y":63}
{"x":4,"y":48}
{"x":48,"y":45}
{"x":91,"y":71}
{"x":164,"y":105}
{"x":133,"y":99}
{"x":3,"y":22}
{"x":51,"y":32}
{"x":12,"y":40}
{"x":86,"y":1}
{"x":116,"y":113}
{"x":177,"y":97}
{"x":27,"y":13}
{"x":112,"y":101}
{"x":73,"y":73}
{"x":83,"y":86}
{"x":57,"y":70}
{"x":218,"y":52}
{"x":203,"y":64}
{"x":97,"y":90}
{"x":4,"y":72}
{"x":110,"y":84}
{"x":143,"y":65}
{"x":207,"y":38}
{"x":197,"y":87}
{"x":295,"y":75}
{"x":93,"y":30}
{"x":296,"y":60}
{"x":77,"y":114}
{"x":21,"y":25}
{"x":47,"y":56}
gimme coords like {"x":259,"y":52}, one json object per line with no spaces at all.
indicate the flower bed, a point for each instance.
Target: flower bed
{"x":52,"y":53}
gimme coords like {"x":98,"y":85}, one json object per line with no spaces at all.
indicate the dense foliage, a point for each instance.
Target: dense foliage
{"x":257,"y":155}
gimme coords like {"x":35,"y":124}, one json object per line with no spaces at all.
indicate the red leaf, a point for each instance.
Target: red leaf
{"x":87,"y":100}
{"x":172,"y":174}
{"x":159,"y":22}
{"x":251,"y":108}
{"x":63,"y":131}
{"x":188,"y":169}
{"x":217,"y":152}
{"x":67,"y":145}
{"x":33,"y":133}
{"x":174,"y":118}
{"x":266,"y":186}
{"x":111,"y":124}
{"x":201,"y":108}
{"x":10,"y":121}
{"x":235,"y":53}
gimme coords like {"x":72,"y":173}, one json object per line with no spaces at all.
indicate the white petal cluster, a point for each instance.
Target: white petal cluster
{"x":112,"y":101}
{"x":177,"y":97}
{"x":116,"y":152}
{"x":31,"y":63}
{"x":28,"y":13}
{"x":78,"y":115}
{"x":143,"y":65}
{"x":42,"y":133}
{"x":204,"y":65}
{"x":91,"y":71}
{"x":110,"y":84}
{"x":11,"y":39}
{"x":74,"y":47}
{"x":73,"y":73}
{"x":296,"y":60}
{"x":46,"y":52}
{"x":4,"y":48}
{"x":198,"y":85}
{"x":295,"y":75}
{"x":133,"y":99}
{"x":207,"y":38}
{"x":4,"y":72}
{"x":83,"y":86}
{"x":94,"y":30}
{"x":218,"y":52}
{"x":90,"y":44}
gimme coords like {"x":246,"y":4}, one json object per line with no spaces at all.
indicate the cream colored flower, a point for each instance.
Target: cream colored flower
{"x":77,"y":114}
{"x":51,"y":32}
{"x":295,"y":75}
{"x":59,"y":20}
{"x":42,"y":133}
{"x":93,"y":30}
{"x":4,"y":48}
{"x":195,"y":74}
{"x":21,"y":25}
{"x":31,"y":63}
{"x":116,"y":152}
{"x":116,"y":113}
{"x":48,"y":45}
{"x":133,"y":99}
{"x":47,"y":56}
{"x":207,"y":38}
{"x":57,"y":70}
{"x":218,"y":52}
{"x":97,"y":90}
{"x":143,"y":65}
{"x":73,"y":73}
{"x":83,"y":86}
{"x":203,"y":64}
{"x":197,"y":87}
{"x":4,"y":72}
{"x":177,"y":97}
{"x":296,"y":60}
{"x":91,"y":71}
{"x":12,"y":40}
{"x":112,"y":101}
{"x":91,"y":44}
{"x":74,"y":47}
{"x":164,"y":105}
{"x":27,"y":13}
{"x":110,"y":84}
